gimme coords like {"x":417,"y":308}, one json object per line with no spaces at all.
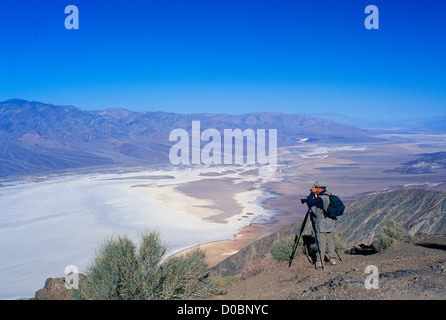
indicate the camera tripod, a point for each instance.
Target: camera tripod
{"x":312,"y":216}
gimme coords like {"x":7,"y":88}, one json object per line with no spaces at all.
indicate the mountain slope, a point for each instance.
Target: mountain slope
{"x":421,"y":212}
{"x":38,"y":137}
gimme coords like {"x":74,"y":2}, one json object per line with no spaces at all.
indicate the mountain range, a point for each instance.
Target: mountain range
{"x":38,"y":137}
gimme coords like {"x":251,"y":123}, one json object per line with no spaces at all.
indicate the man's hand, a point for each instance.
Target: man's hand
{"x":313,"y":189}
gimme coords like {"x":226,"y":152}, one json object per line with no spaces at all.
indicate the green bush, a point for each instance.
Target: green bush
{"x":391,"y":232}
{"x":122,"y":271}
{"x":186,"y":277}
{"x":281,"y":249}
{"x":113,"y":273}
{"x":397,"y":232}
{"x":382,"y":242}
{"x":339,"y":246}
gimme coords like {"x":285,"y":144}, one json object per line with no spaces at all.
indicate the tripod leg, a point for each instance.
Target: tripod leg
{"x":297,"y":238}
{"x":338,"y":255}
{"x":317,"y":240}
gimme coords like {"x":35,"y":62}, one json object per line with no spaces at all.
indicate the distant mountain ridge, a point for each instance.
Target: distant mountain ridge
{"x":39,"y":137}
{"x":427,"y":163}
{"x":394,"y":123}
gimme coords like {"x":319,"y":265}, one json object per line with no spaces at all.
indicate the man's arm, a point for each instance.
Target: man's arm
{"x":313,"y":201}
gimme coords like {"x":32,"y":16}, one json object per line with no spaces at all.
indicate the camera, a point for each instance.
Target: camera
{"x":303,"y":201}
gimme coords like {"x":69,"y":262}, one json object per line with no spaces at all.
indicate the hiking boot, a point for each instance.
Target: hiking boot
{"x":318,"y":265}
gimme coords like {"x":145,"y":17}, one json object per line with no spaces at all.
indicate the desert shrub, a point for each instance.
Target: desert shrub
{"x":397,"y":232}
{"x":224,"y":282}
{"x":151,"y":250}
{"x":391,"y":232}
{"x":122,"y":271}
{"x":382,"y":242}
{"x":256,"y":267}
{"x":113,"y":274}
{"x":186,"y":277}
{"x":339,"y":246}
{"x":281,"y":248}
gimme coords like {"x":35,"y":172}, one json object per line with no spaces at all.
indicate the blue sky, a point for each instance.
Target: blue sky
{"x":225,"y":56}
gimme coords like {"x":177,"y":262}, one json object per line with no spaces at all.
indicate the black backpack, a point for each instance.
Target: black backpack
{"x":335,"y":208}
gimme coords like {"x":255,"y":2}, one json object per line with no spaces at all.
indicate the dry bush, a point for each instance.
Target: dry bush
{"x":257,"y":267}
{"x":391,"y":232}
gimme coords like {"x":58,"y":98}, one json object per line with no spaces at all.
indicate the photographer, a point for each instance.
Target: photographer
{"x":319,"y":198}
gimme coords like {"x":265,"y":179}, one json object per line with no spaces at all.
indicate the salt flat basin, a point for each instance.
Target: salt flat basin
{"x":51,"y":223}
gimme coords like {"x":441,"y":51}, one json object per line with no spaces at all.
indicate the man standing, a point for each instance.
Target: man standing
{"x":319,"y":197}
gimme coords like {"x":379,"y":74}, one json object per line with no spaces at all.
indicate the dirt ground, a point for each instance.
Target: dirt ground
{"x":404,"y":271}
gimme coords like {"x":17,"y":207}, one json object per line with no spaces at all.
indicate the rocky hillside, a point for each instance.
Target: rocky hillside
{"x":421,"y":212}
{"x":404,"y":271}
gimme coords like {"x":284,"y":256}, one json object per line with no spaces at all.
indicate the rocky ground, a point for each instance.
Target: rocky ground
{"x":406,"y":271}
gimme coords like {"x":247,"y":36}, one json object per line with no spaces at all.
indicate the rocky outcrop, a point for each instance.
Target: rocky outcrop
{"x":56,"y":289}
